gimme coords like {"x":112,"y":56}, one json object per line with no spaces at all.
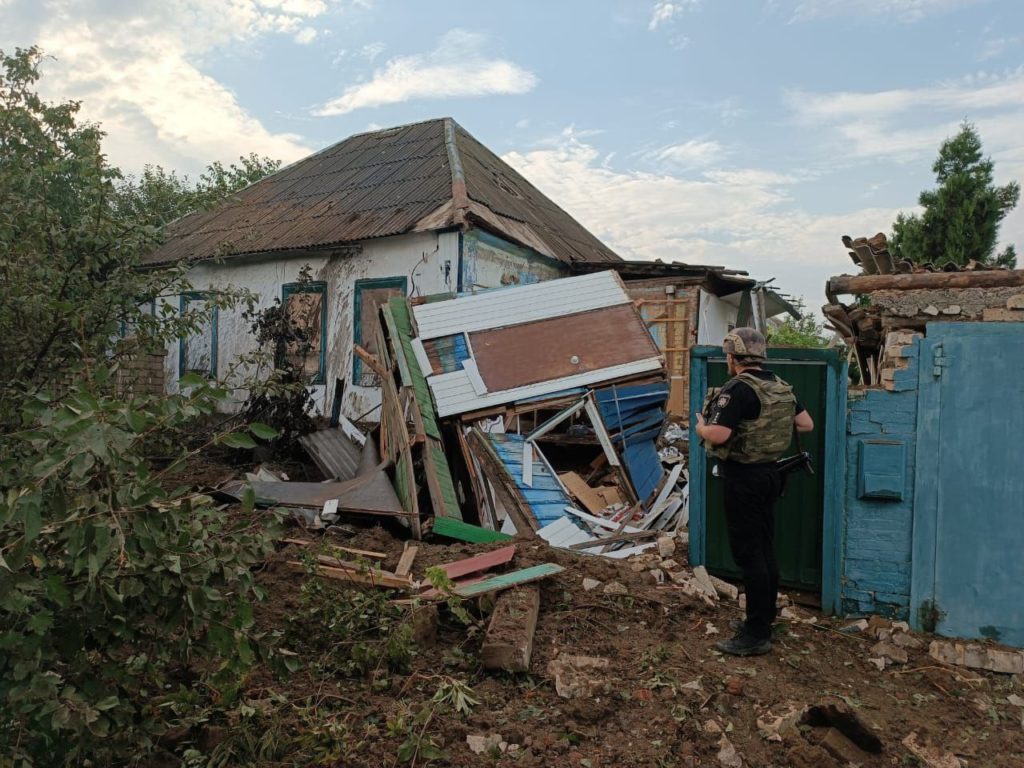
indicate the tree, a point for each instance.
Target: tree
{"x":805,"y":332}
{"x":125,"y":605}
{"x":961,"y":217}
{"x":157,"y":196}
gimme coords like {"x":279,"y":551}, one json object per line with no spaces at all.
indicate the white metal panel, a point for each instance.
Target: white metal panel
{"x":453,"y":392}
{"x":521,"y":304}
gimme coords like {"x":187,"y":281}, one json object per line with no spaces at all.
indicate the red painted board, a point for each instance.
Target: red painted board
{"x":479,"y":562}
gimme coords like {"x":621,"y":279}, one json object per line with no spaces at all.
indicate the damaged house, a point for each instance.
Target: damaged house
{"x":411,"y":211}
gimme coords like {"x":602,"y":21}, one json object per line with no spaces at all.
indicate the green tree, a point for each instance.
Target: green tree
{"x":157,"y":196}
{"x":125,"y":604}
{"x":961,"y":217}
{"x":803,"y":332}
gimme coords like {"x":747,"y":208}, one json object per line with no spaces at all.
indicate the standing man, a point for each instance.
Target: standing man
{"x":749,"y":427}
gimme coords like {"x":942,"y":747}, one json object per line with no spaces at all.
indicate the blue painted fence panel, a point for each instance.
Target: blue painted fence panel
{"x":545,"y":497}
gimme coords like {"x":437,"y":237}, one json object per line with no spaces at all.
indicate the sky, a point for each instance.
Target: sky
{"x":746,"y":133}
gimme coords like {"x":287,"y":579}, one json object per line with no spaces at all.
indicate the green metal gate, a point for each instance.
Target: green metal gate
{"x":805,"y":517}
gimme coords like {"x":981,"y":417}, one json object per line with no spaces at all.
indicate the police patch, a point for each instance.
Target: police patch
{"x":723,"y":400}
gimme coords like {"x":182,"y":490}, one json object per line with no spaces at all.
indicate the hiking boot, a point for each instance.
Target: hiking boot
{"x":737,"y":625}
{"x":744,"y":645}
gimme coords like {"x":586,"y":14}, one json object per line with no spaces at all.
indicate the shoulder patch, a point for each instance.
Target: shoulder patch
{"x":723,"y":400}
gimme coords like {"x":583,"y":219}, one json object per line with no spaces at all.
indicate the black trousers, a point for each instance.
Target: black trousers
{"x":751,"y":491}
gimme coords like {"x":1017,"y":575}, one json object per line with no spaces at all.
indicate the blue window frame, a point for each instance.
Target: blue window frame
{"x":306,"y":304}
{"x":198,"y":353}
{"x":369,"y":293}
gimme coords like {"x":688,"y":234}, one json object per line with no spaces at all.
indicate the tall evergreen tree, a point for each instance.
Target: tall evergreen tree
{"x":961,"y":217}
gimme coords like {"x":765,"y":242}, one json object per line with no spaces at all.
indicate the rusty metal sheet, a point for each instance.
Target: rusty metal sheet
{"x":544,"y":350}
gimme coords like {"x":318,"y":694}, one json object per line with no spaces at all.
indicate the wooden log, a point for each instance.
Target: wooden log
{"x":508,"y":643}
{"x":996,"y":278}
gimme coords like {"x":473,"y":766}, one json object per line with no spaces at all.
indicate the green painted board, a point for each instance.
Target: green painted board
{"x":403,"y":323}
{"x":457,"y":529}
{"x":508,"y":580}
{"x":444,"y":479}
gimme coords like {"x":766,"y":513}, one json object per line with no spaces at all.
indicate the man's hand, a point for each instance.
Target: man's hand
{"x":712,"y":434}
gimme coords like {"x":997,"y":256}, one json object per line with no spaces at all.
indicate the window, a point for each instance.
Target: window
{"x":306,"y":307}
{"x":369,"y":295}
{"x":198,"y":353}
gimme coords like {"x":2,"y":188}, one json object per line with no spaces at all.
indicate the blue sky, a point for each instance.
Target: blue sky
{"x":750,"y":133}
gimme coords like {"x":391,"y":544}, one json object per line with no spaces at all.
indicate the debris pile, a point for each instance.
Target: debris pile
{"x":537,"y":410}
{"x":895,"y":299}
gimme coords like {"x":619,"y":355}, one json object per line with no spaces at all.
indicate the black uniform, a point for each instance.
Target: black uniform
{"x":750,"y":492}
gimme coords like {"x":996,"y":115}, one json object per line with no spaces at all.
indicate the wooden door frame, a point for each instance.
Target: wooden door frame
{"x":834,"y":469}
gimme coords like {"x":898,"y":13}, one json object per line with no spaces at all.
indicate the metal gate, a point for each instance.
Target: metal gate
{"x":968,"y":551}
{"x":807,"y":519}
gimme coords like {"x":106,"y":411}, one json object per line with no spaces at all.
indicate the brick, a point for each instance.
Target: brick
{"x":1002,"y":315}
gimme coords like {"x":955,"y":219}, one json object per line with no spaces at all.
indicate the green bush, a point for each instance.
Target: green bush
{"x":113,"y":590}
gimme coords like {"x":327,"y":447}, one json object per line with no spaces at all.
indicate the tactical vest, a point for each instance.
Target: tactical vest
{"x":767,"y":437}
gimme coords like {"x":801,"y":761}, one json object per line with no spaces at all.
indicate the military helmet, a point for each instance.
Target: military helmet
{"x":746,"y":343}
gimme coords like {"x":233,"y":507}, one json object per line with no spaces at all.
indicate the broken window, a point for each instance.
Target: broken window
{"x":197,"y":353}
{"x":305,"y":306}
{"x":369,"y":295}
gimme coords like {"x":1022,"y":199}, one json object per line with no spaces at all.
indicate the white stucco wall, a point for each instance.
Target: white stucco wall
{"x":716,"y":317}
{"x":428,"y":261}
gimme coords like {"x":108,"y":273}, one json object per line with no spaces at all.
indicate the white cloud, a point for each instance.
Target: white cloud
{"x":907,"y":11}
{"x":743,"y":218}
{"x":137,"y":69}
{"x":689,"y":154}
{"x":996,"y":47}
{"x":458,"y":66}
{"x":665,"y":12}
{"x":905,"y":124}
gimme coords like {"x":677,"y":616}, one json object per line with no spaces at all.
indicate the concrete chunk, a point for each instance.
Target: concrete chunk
{"x":509,"y":640}
{"x":977,"y":656}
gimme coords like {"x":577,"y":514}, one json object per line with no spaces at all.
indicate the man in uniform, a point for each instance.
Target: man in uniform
{"x":749,"y":426}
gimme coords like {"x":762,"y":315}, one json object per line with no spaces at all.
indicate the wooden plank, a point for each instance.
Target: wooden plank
{"x":462,"y":531}
{"x":371,"y":361}
{"x":590,"y":341}
{"x":615,"y":539}
{"x":372,"y":577}
{"x":479,"y":562}
{"x":504,"y":485}
{"x":349,"y":550}
{"x":587,"y":496}
{"x":509,"y":580}
{"x":405,"y":561}
{"x":508,"y":643}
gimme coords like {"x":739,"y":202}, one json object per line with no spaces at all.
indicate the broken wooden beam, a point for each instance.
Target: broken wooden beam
{"x":478,"y":563}
{"x":353,"y":574}
{"x":509,"y":580}
{"x":508,"y":643}
{"x":357,"y":552}
{"x":853,"y":284}
{"x":405,"y":561}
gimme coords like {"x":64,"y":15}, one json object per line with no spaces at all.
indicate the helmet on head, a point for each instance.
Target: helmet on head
{"x":745,"y":343}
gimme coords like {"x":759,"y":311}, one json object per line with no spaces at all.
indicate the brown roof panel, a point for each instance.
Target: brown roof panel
{"x":375,"y":185}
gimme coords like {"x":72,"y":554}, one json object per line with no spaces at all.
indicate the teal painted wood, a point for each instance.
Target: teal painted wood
{"x":184,"y":300}
{"x":835,"y":476}
{"x":968,"y":537}
{"x":314,"y":287}
{"x":698,"y":457}
{"x":507,"y":580}
{"x":357,"y":304}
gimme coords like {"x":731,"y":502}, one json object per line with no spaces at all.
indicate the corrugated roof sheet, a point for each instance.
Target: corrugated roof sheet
{"x":379,"y":184}
{"x":872,"y":255}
